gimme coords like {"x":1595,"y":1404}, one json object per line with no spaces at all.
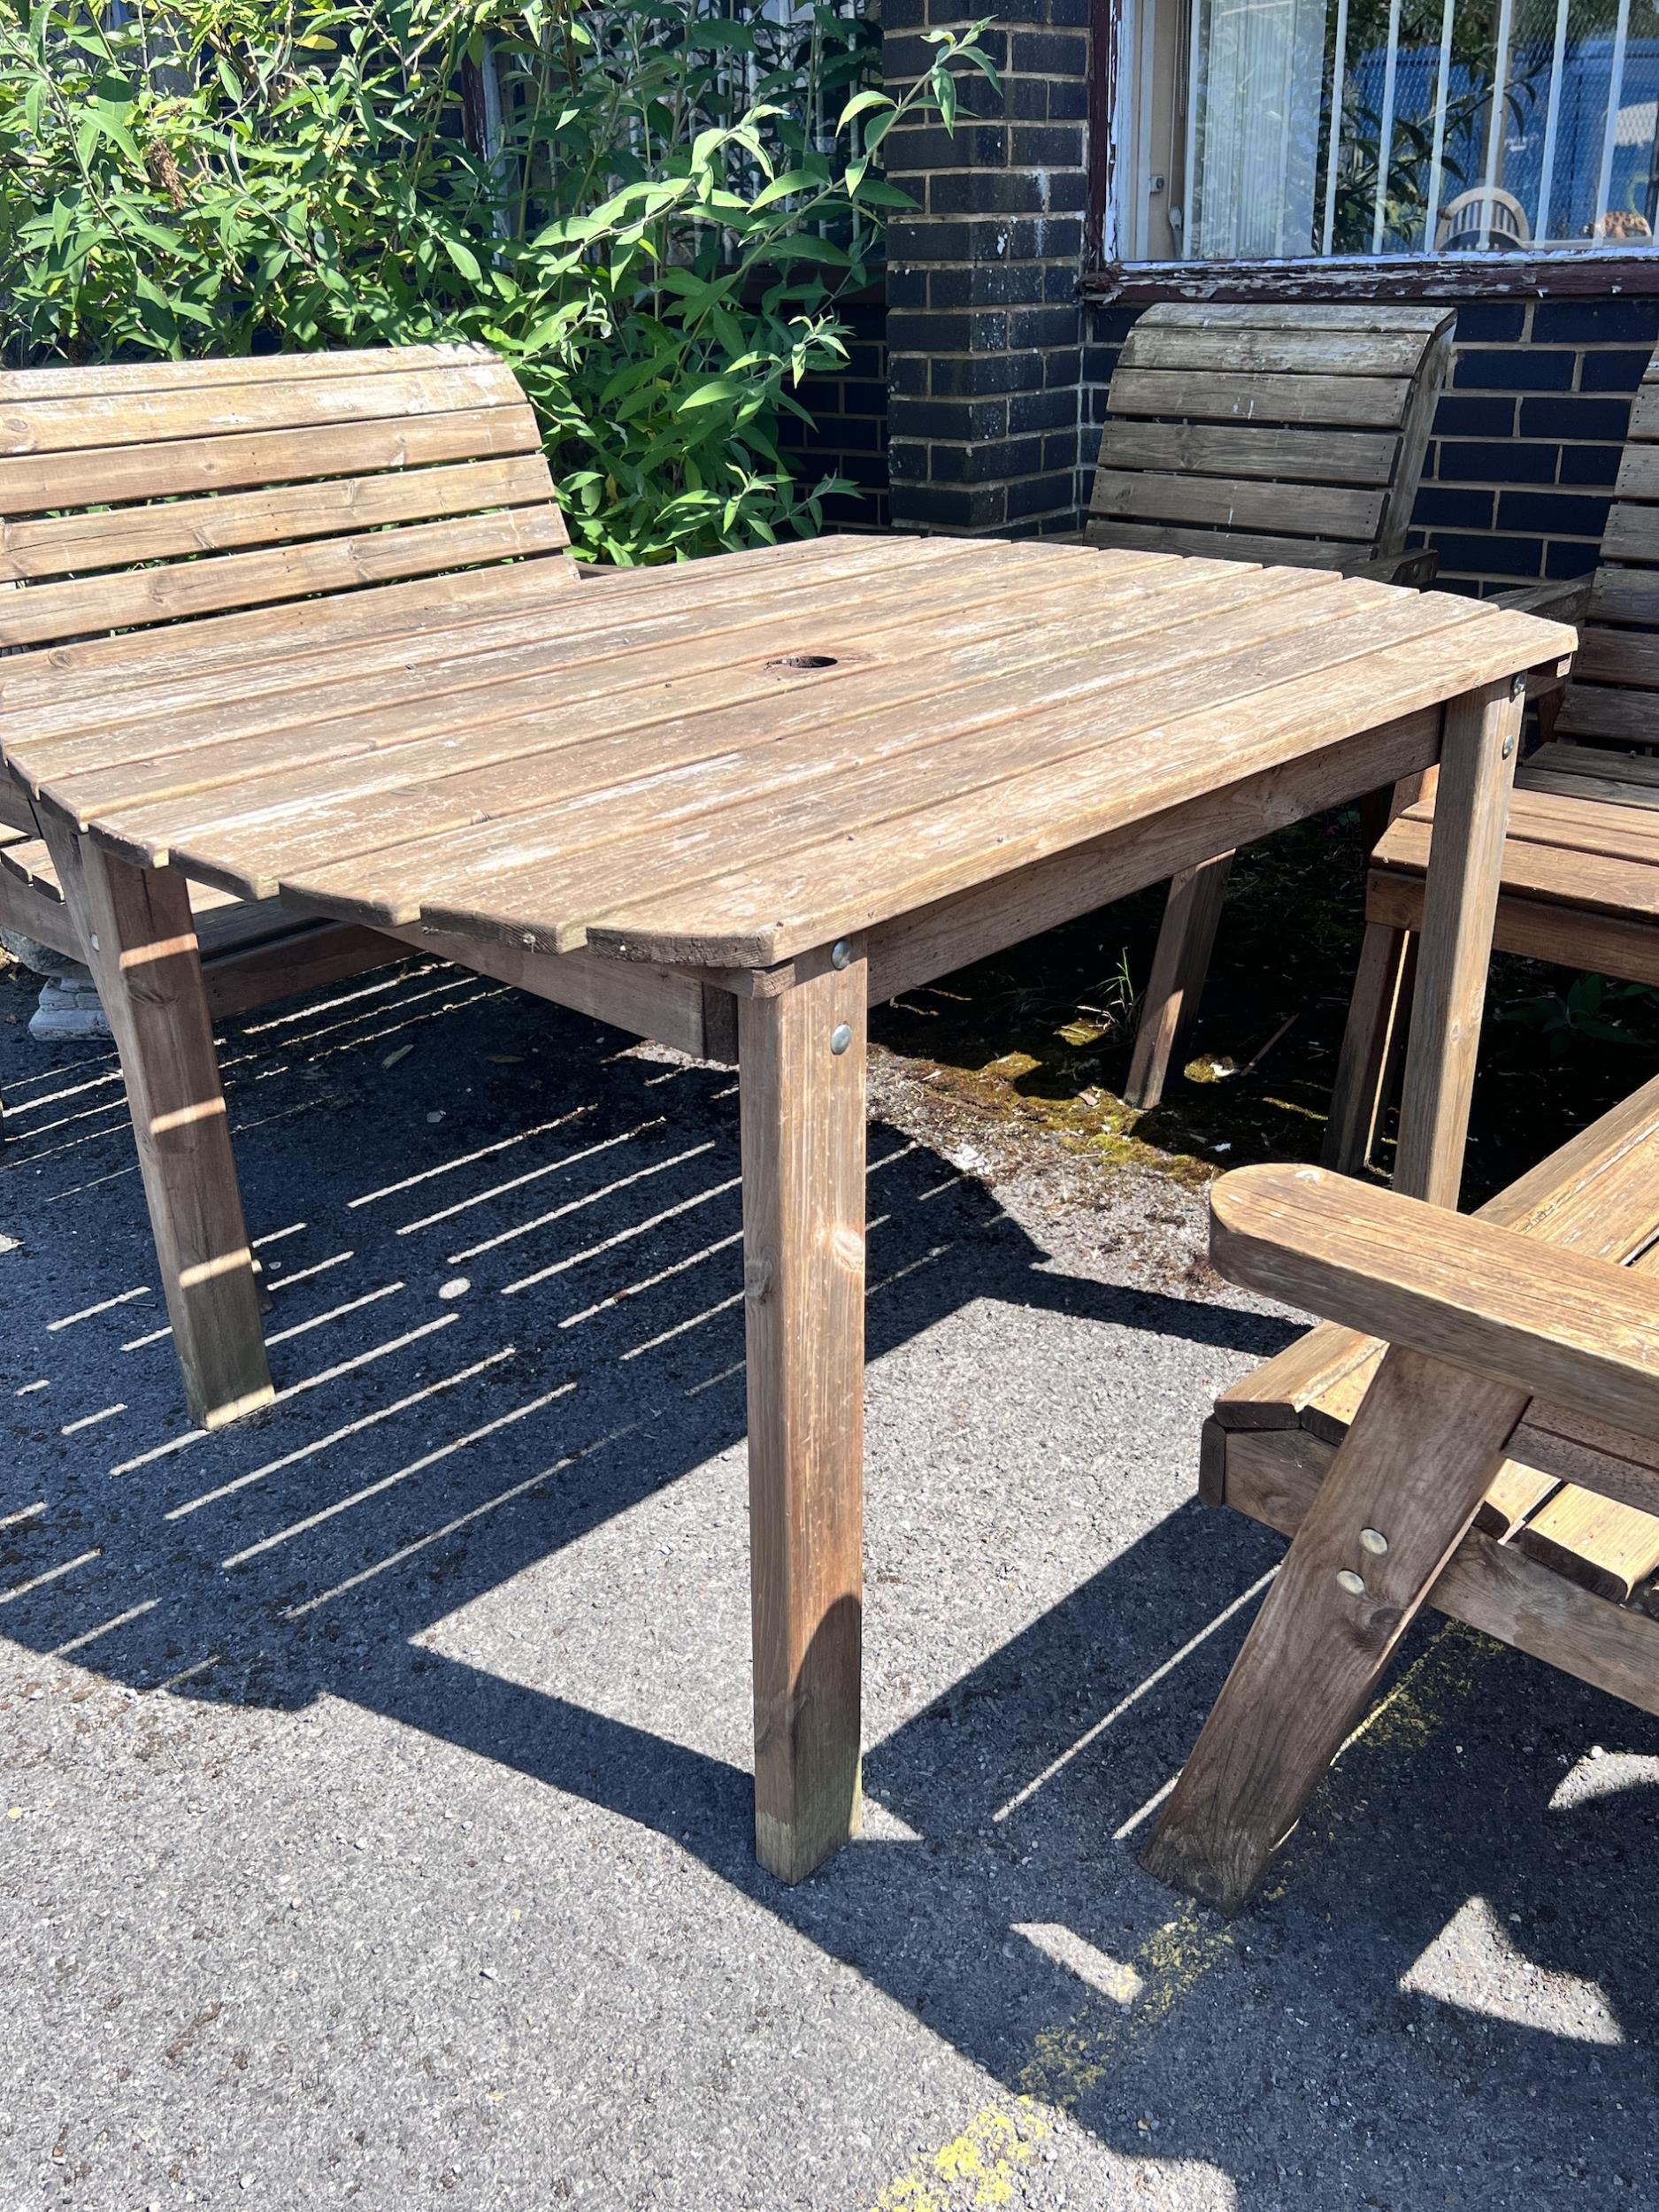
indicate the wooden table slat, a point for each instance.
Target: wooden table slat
{"x":358,"y":796}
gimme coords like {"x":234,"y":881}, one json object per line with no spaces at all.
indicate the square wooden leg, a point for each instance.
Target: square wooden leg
{"x":140,"y":944}
{"x":1460,"y":904}
{"x":1175,"y":983}
{"x":1411,"y":1472}
{"x":800,"y":1062}
{"x":1382,"y":985}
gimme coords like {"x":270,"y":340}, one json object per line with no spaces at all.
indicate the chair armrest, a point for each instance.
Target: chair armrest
{"x":1553,"y":1323}
{"x":1556,"y":603}
{"x":1411,"y":570}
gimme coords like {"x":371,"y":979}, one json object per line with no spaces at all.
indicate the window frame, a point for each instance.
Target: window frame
{"x":1627,"y":272}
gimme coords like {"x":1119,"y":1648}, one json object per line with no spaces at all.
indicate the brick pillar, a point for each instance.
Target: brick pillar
{"x":984,"y":331}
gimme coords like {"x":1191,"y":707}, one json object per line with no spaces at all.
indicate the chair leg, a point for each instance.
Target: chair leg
{"x":800,"y":1079}
{"x":1371,"y":1041}
{"x":140,"y":942}
{"x":1398,"y":1500}
{"x":1177,"y":982}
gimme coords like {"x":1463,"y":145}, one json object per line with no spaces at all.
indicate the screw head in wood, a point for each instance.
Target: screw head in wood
{"x":1509,"y":748}
{"x":841,"y":954}
{"x":1355,"y":1585}
{"x":1517,"y":683}
{"x":1374,"y":1540}
{"x":841,"y":1037}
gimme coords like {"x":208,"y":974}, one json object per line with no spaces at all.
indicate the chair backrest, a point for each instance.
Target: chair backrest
{"x":1291,"y":435}
{"x":1612,"y":694}
{"x":151,"y":492}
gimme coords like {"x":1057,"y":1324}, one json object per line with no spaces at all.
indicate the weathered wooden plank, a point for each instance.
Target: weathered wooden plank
{"x":1595,"y":710}
{"x":1315,"y":511}
{"x":250,"y":827}
{"x":1357,"y":401}
{"x":94,"y":420}
{"x":1247,"y":349}
{"x":1424,"y":320}
{"x":181,"y":467}
{"x":1285,"y":456}
{"x":1382,"y":983}
{"x":952,"y":932}
{"x":1625,"y":594}
{"x":80,"y":686}
{"x":238,"y":580}
{"x":1235,"y":545}
{"x":1493,"y":1587}
{"x":801,"y":1085}
{"x":431,"y":723}
{"x":136,"y":935}
{"x":317,"y":651}
{"x":1460,"y":904}
{"x":1415,"y":1465}
{"x":770,"y":908}
{"x":670,"y":1007}
{"x":1180,"y":965}
{"x":565,"y":857}
{"x":77,"y":545}
{"x":1550,"y":1320}
{"x":1537,"y":871}
{"x":106,"y":380}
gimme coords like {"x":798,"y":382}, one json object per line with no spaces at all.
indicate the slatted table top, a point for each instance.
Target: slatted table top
{"x":728,"y":763}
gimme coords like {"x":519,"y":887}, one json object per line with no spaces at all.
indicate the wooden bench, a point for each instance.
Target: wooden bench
{"x":147,"y":497}
{"x":1580,"y":879}
{"x":1476,"y":1426}
{"x":158,"y":518}
{"x":1289,"y":435}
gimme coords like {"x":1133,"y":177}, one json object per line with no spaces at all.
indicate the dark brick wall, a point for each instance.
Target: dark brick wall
{"x":984,"y":330}
{"x":848,"y":435}
{"x":1526,"y":440}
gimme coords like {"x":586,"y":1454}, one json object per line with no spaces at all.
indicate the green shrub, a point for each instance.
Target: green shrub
{"x":653,"y":215}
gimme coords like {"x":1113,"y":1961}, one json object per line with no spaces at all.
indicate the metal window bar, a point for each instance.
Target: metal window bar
{"x":1442,"y":95}
{"x":1334,"y":138}
{"x":1494,"y":121}
{"x":1385,"y":128}
{"x":1194,"y":102}
{"x":1615,"y":89}
{"x":1552,"y":123}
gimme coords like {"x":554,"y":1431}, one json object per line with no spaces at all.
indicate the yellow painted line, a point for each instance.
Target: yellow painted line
{"x":980,"y":2167}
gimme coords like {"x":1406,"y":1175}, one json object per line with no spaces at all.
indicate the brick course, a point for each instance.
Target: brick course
{"x":985,"y":332}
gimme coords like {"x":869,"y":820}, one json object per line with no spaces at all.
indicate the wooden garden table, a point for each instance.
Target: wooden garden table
{"x":731,"y":806}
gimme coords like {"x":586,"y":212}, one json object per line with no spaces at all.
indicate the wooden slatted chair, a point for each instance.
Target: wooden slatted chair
{"x":167,"y":496}
{"x":1492,"y":1449}
{"x":1291,"y":435}
{"x":1581,"y":861}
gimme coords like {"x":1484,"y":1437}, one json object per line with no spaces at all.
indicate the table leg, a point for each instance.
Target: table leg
{"x":140,"y":944}
{"x":800,"y":1062}
{"x":1460,"y":903}
{"x":1175,"y":983}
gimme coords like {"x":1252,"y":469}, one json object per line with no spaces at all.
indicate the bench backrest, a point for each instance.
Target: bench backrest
{"x":1613,"y":694}
{"x":147,"y":493}
{"x":1291,"y":435}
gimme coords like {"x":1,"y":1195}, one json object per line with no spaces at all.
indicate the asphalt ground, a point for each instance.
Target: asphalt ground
{"x":374,"y":1796}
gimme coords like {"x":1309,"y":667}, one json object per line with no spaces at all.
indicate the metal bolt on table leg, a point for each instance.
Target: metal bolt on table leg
{"x":841,"y":1037}
{"x":1355,"y":1585}
{"x":1374,"y":1540}
{"x":841,"y":953}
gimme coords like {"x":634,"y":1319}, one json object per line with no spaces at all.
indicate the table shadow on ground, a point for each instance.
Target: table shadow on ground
{"x":431,"y":1443}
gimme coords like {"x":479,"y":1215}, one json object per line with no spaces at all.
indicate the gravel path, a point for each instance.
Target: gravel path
{"x":373,"y":1783}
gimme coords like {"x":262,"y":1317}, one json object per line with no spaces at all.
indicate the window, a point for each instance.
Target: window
{"x":1252,"y":130}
